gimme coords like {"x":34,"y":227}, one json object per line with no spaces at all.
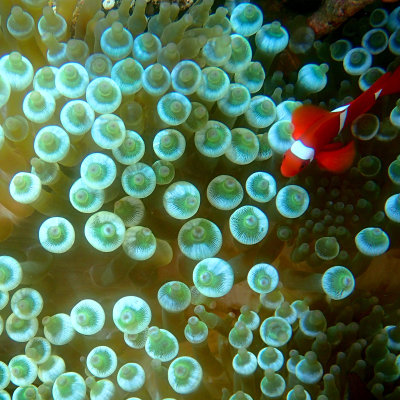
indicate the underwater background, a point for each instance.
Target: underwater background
{"x":150,"y":247}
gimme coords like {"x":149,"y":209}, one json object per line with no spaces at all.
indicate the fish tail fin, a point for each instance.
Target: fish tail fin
{"x":388,"y":83}
{"x":392,"y":85}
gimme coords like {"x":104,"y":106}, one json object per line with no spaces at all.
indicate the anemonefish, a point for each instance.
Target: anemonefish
{"x":315,"y":129}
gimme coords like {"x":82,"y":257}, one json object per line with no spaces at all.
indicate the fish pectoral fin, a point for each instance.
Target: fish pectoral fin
{"x":336,"y":159}
{"x":304,"y":117}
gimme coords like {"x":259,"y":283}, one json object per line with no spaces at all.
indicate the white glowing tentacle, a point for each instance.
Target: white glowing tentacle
{"x":299,"y":149}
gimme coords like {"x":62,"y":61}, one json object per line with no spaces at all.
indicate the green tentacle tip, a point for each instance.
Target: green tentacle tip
{"x":131,"y":150}
{"x":292,"y":201}
{"x":116,"y":41}
{"x":248,"y":225}
{"x":213,"y":277}
{"x":23,"y":370}
{"x":52,"y":143}
{"x":131,"y":377}
{"x":131,"y":314}
{"x":272,"y":38}
{"x":312,"y":323}
{"x":85,"y":199}
{"x":138,"y":180}
{"x":105,"y":231}
{"x":186,"y":77}
{"x":52,"y":368}
{"x":275,"y":331}
{"x":25,"y":187}
{"x":38,"y":106}
{"x":174,"y":296}
{"x":56,"y":235}
{"x":69,"y":386}
{"x":101,"y":361}
{"x":26,"y":303}
{"x":98,"y":171}
{"x":261,"y":186}
{"x":372,"y":242}
{"x":309,"y":370}
{"x":136,"y":340}
{"x":165,"y":172}
{"x":38,"y":349}
{"x":44,"y":80}
{"x":240,"y":336}
{"x":196,"y":331}
{"x":199,"y":238}
{"x":174,"y":108}
{"x":71,"y":80}
{"x":161,"y":344}
{"x":239,"y":395}
{"x":17,"y":70}
{"x":10,"y":273}
{"x":77,"y":117}
{"x":156,"y":79}
{"x":103,"y":95}
{"x":87,"y":317}
{"x":224,"y":192}
{"x":146,"y":47}
{"x":185,"y":375}
{"x":263,"y":278}
{"x":127,"y":73}
{"x":21,"y":330}
{"x":249,"y":317}
{"x":103,"y":389}
{"x":338,"y":282}
{"x":246,"y":19}
{"x":98,"y":65}
{"x":58,"y":329}
{"x":214,"y":84}
{"x":5,"y":91}
{"x":108,"y":131}
{"x":261,"y":112}
{"x":181,"y":200}
{"x":243,"y":148}
{"x":244,"y":362}
{"x":4,"y":376}
{"x":213,"y":140}
{"x":280,"y":134}
{"x":272,"y":385}
{"x":392,"y":208}
{"x":240,"y":57}
{"x":270,"y":357}
{"x":131,"y":210}
{"x":327,"y":248}
{"x":139,"y":243}
{"x":169,"y":144}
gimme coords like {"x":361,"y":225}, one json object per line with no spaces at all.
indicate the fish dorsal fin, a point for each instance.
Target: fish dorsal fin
{"x":304,"y":117}
{"x":336,"y":157}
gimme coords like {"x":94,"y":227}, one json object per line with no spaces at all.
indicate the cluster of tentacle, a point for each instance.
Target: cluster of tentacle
{"x":149,"y":246}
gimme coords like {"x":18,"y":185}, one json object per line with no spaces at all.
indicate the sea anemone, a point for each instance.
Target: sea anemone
{"x":150,"y":246}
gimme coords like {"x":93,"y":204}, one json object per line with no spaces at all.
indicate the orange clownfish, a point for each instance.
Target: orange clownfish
{"x":315,"y":129}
